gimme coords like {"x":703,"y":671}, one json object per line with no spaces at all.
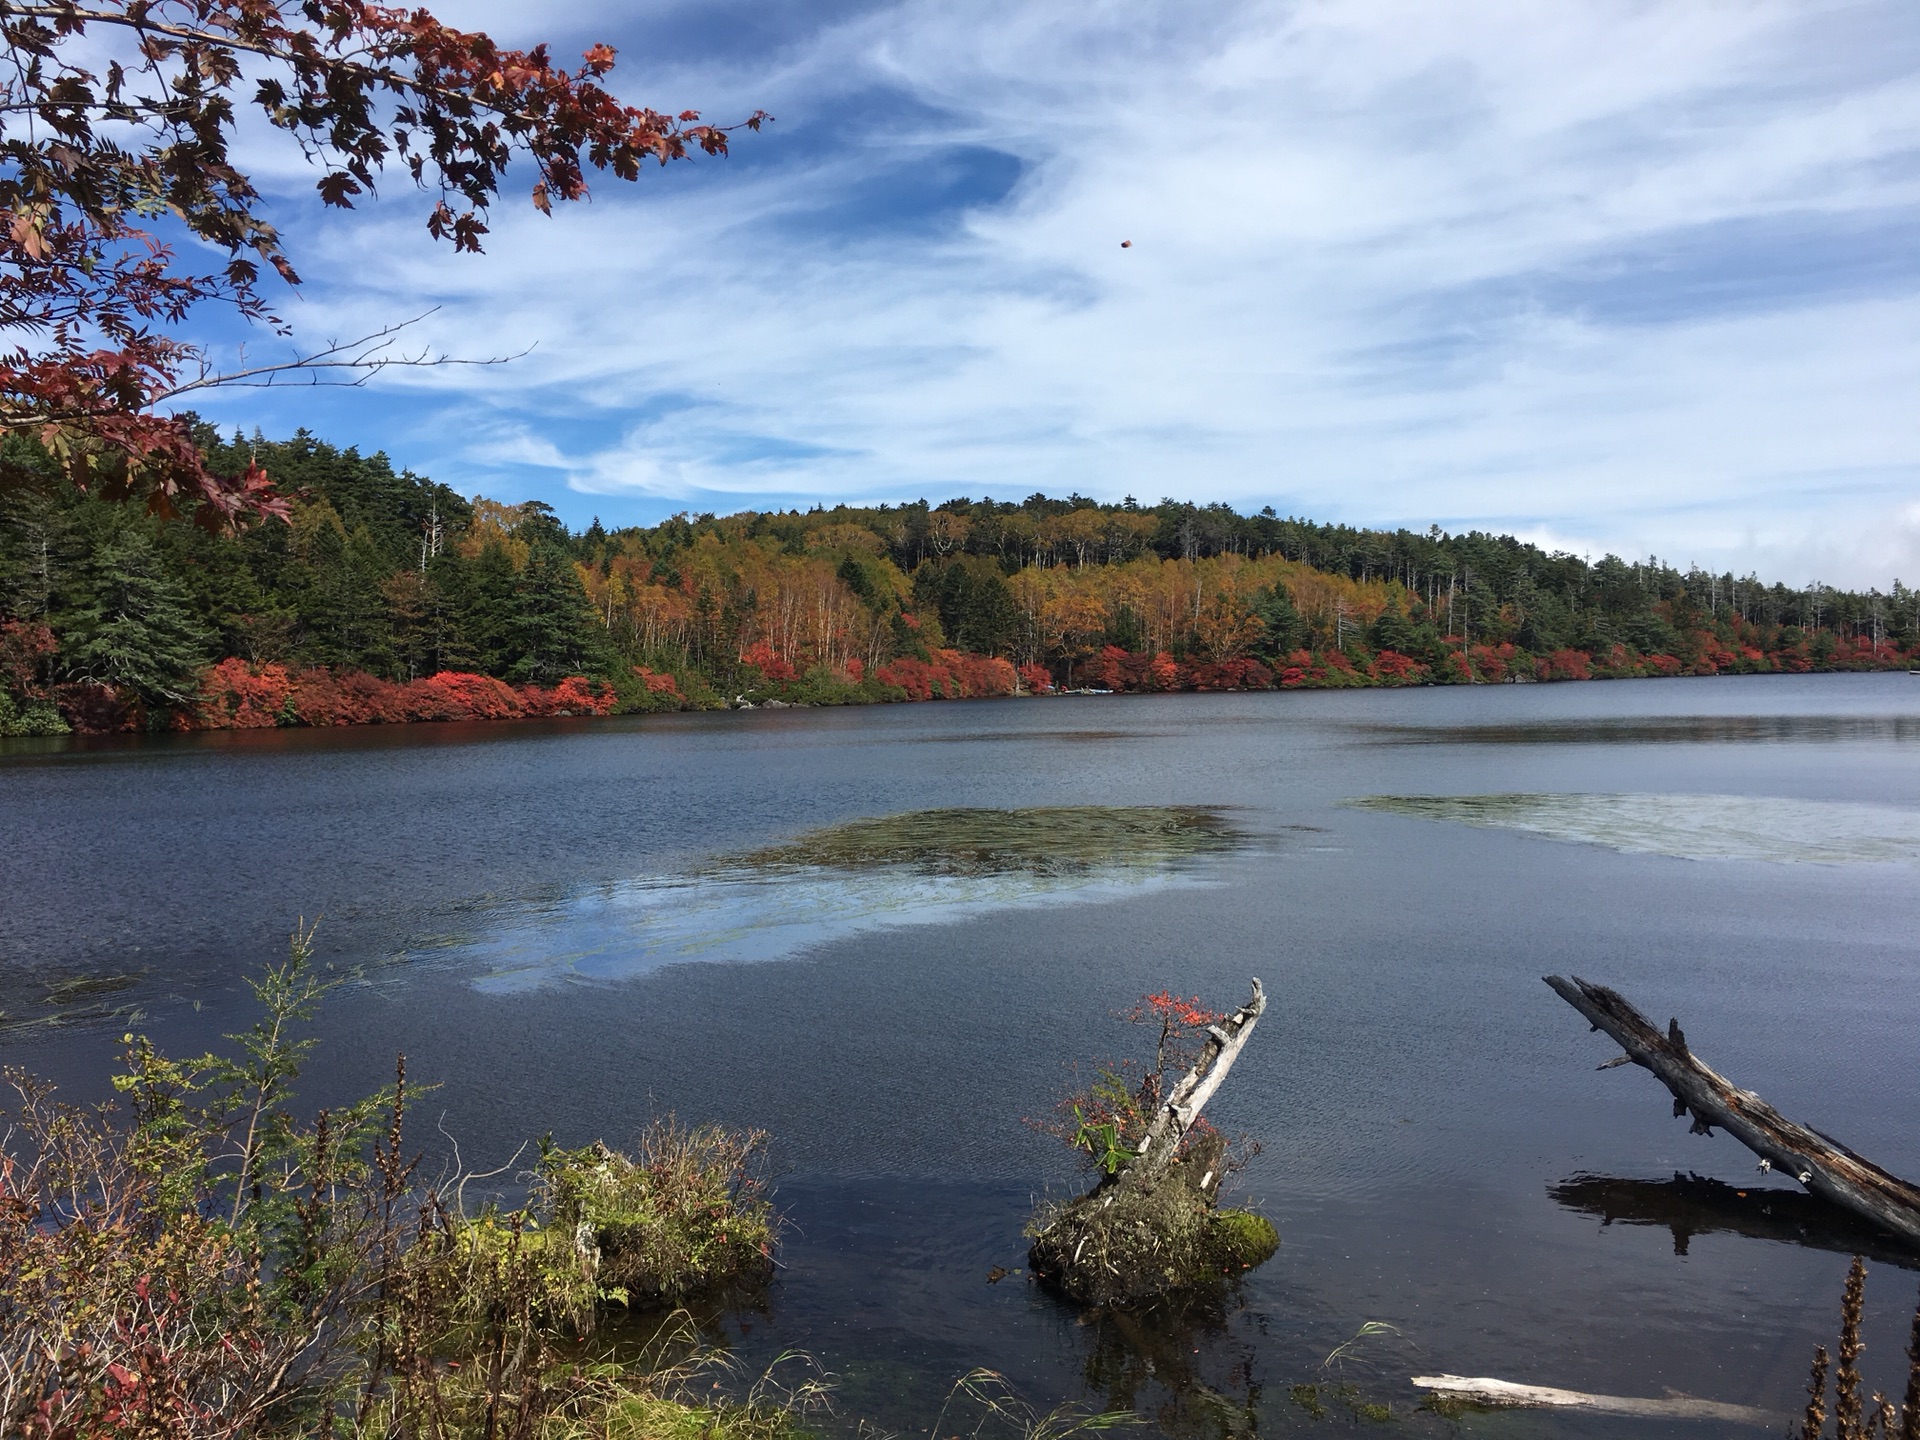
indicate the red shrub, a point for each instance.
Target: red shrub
{"x":1231,"y":675}
{"x":1037,"y":679}
{"x":983,"y":674}
{"x":1564,"y":665}
{"x":1491,"y":662}
{"x":667,"y":685}
{"x":916,"y":677}
{"x":239,"y":696}
{"x":457,"y":695}
{"x":575,"y":695}
{"x":96,"y":709}
{"x":773,"y":670}
{"x":1117,"y":669}
{"x":1390,"y":667}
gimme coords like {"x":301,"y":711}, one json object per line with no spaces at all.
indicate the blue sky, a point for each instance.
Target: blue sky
{"x":1640,"y":277}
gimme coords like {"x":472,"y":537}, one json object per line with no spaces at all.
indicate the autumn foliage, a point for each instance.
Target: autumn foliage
{"x":390,"y":598}
{"x":123,"y":210}
{"x":240,"y":696}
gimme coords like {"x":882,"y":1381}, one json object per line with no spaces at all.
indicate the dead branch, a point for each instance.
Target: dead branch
{"x":1182,"y":1107}
{"x":1822,"y":1164}
{"x":360,"y":359}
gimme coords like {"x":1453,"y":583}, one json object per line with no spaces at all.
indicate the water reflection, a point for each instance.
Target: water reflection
{"x":922,"y":867}
{"x":1173,"y":1360}
{"x":1659,"y":729}
{"x":1691,"y":827}
{"x":1023,"y":737}
{"x":1691,"y":1205}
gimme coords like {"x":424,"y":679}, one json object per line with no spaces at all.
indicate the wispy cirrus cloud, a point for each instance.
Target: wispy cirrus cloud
{"x":1637,"y":277}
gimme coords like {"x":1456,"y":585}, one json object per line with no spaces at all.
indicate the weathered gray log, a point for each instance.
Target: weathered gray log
{"x":1505,"y":1394}
{"x":1822,"y":1164}
{"x":1182,"y":1107}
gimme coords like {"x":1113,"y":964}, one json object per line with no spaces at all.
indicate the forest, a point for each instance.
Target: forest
{"x":388,"y":597}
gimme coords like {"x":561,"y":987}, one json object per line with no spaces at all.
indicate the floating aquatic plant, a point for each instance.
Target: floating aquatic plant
{"x":1054,"y":840}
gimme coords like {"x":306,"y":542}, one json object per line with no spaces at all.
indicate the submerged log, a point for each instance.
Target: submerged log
{"x":1506,"y":1395}
{"x":1823,"y":1165}
{"x":1150,"y":1227}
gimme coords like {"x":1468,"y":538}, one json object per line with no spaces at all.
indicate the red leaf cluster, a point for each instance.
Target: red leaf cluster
{"x":1167,"y":1008}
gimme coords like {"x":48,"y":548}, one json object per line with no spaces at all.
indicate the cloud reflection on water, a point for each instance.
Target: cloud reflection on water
{"x":1690,"y":827}
{"x":919,"y":868}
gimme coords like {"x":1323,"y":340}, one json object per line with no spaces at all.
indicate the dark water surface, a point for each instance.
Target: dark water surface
{"x":558,"y":921}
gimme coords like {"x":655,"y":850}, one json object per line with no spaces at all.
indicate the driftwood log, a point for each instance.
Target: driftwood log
{"x":1822,"y":1164}
{"x":1150,"y":1226}
{"x":1505,"y":1395}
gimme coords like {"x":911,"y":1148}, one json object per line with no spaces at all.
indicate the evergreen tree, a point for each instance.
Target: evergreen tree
{"x":132,"y":626}
{"x":551,"y":632}
{"x":1285,"y":630}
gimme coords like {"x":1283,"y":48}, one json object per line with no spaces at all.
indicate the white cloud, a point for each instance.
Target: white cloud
{"x":1569,"y":269}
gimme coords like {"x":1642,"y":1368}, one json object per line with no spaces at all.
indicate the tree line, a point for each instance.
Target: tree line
{"x":386,"y":595}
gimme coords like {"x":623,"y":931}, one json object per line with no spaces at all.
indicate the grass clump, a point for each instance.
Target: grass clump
{"x":198,"y":1261}
{"x":686,"y":1213}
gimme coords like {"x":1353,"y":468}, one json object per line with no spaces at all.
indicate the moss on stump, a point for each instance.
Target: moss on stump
{"x":1122,"y":1244}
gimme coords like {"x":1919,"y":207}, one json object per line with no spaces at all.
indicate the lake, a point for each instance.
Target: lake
{"x":575,"y":925}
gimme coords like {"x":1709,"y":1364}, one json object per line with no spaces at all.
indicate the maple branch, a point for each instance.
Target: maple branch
{"x":393,"y":79}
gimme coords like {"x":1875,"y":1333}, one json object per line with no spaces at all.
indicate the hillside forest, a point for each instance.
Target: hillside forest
{"x":388,"y":597}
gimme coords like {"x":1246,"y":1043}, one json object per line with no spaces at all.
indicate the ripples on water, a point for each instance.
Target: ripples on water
{"x":922,"y":867}
{"x":1440,"y":1156}
{"x":1688,"y":827}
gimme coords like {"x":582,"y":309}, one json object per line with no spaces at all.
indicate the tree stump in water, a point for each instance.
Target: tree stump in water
{"x":1152,"y":1225}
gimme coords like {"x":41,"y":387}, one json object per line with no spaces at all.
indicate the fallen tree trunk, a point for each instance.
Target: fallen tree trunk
{"x":1506,"y":1395}
{"x":1823,"y":1165}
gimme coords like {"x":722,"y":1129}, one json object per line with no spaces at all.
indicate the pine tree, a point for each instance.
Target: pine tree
{"x":131,"y":626}
{"x":552,"y":630}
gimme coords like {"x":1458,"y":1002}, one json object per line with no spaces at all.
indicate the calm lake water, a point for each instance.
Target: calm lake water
{"x":576,"y":925}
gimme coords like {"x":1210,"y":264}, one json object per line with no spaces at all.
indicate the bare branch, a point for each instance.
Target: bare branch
{"x":366,"y":357}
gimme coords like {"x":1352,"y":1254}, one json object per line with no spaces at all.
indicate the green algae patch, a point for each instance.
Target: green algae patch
{"x":1050,"y":840}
